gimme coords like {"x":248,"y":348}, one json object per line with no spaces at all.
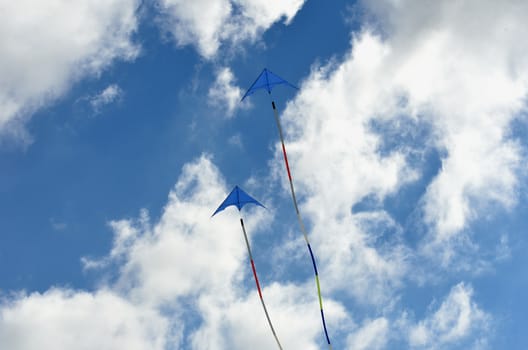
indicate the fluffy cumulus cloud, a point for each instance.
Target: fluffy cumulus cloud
{"x":337,"y":163}
{"x":185,"y":272}
{"x":469,"y":82}
{"x":224,"y":94}
{"x":184,"y":282}
{"x":209,"y":24}
{"x":66,"y":319}
{"x":418,"y":68}
{"x":372,"y":335}
{"x":453,"y":322}
{"x":185,"y":236}
{"x":207,"y":263}
{"x":474,"y":83}
{"x":44,"y":48}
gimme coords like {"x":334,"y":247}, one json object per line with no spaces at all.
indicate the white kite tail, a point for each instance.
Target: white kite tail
{"x":301,"y":224}
{"x":258,"y":284}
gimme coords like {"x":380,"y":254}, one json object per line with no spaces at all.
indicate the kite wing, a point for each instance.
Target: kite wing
{"x":266,"y":80}
{"x":239,"y":198}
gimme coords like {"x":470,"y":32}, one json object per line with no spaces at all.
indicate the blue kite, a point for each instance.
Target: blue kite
{"x":239,"y":198}
{"x":267,"y":81}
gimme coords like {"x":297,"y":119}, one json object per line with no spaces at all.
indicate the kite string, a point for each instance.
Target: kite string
{"x":301,"y":223}
{"x":258,"y":284}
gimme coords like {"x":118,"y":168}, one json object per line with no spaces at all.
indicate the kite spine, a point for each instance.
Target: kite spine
{"x":258,"y":284}
{"x":301,"y":224}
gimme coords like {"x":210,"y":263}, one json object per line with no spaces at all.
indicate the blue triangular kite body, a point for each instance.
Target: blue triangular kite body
{"x":266,"y":80}
{"x":238,"y":198}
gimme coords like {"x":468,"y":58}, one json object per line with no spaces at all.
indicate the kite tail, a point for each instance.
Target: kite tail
{"x":258,"y":284}
{"x":301,"y":224}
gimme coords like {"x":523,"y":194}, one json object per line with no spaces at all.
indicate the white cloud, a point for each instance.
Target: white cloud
{"x":363,"y":248}
{"x":185,"y":278}
{"x":372,"y":335}
{"x":241,"y":324}
{"x":463,"y":77}
{"x":186,"y":235}
{"x":108,"y":95}
{"x":223,"y":94}
{"x":45,"y":47}
{"x":471,"y":81}
{"x":188,"y":258}
{"x":460,"y":67}
{"x":457,"y":318}
{"x":208,"y":24}
{"x":66,"y":319}
{"x":335,"y":159}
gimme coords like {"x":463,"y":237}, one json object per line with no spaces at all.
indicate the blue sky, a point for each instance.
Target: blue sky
{"x":122,"y":130}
